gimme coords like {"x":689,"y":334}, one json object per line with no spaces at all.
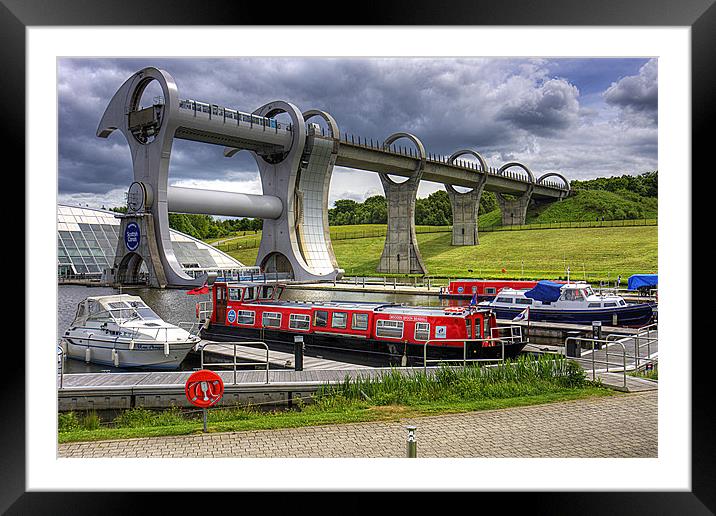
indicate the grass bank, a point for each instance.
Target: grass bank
{"x":592,"y":253}
{"x":388,"y":397}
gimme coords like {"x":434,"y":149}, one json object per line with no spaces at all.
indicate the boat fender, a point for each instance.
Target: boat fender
{"x":166,"y":349}
{"x":115,"y":357}
{"x":197,"y":310}
{"x":131,"y":344}
{"x":88,"y":353}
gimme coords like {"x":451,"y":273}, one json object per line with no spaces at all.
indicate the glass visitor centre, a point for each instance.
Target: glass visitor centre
{"x":87,"y":242}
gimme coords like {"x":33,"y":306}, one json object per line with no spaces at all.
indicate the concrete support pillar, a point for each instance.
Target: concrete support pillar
{"x":401,"y":254}
{"x":465,"y":205}
{"x":464,"y":215}
{"x":514,"y":211}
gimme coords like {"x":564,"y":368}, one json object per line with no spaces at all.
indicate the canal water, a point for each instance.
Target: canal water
{"x":176,"y":306}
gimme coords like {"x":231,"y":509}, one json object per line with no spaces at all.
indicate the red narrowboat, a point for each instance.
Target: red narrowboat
{"x":486,"y":290}
{"x":379,"y":332}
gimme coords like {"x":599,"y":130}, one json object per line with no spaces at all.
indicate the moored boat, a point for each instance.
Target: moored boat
{"x":378,"y":332}
{"x":484,"y":290}
{"x":572,"y":302}
{"x":122,"y":331}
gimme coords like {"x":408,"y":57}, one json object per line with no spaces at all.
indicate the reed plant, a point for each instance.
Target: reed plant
{"x":527,"y":375}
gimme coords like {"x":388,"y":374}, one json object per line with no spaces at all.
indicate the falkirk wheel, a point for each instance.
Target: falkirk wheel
{"x":295,"y":169}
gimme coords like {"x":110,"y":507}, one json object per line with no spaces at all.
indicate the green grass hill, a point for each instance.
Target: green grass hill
{"x":586,"y":205}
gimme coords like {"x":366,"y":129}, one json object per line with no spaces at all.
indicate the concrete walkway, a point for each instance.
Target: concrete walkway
{"x":624,"y":425}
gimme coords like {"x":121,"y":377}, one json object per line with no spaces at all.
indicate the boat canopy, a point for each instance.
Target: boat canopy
{"x":642,"y":280}
{"x":545,"y":291}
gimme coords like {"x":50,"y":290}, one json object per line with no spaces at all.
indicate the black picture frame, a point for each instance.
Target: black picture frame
{"x":699,"y":15}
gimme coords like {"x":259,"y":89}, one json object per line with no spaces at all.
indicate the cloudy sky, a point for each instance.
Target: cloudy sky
{"x":583,"y":118}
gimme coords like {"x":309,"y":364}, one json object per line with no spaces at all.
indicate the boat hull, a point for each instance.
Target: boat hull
{"x":142,"y":356}
{"x":630,"y":315}
{"x":357,"y":350}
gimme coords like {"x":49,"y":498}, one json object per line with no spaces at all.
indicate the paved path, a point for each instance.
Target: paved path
{"x":623,"y":425}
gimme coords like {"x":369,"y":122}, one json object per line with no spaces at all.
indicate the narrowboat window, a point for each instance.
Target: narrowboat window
{"x":609,"y":304}
{"x":468,"y":326}
{"x":422,"y":331}
{"x":245,"y":317}
{"x":250,"y":293}
{"x":594,"y":305}
{"x":266,"y":292}
{"x":504,"y":300}
{"x":390,"y":329}
{"x":299,"y":322}
{"x":525,"y":301}
{"x":339,"y":320}
{"x":271,"y":319}
{"x":490,"y":290}
{"x":234,"y":294}
{"x":474,"y":290}
{"x":478,"y":334}
{"x":359,"y":322}
{"x":321,"y":319}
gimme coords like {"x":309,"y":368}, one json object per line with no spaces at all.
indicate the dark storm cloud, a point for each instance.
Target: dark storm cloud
{"x":506,"y":109}
{"x":636,"y":92}
{"x":546,"y":110}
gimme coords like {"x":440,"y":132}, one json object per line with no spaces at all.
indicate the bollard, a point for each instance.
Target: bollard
{"x":597,"y":333}
{"x":298,"y":352}
{"x":412,"y":447}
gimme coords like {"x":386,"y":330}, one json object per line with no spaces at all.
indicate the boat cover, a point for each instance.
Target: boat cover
{"x":642,"y":280}
{"x":545,"y":291}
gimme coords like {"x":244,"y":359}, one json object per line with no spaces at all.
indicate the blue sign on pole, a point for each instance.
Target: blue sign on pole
{"x":132,"y":236}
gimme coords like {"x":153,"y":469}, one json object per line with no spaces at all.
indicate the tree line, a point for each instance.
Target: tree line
{"x":645,"y":185}
{"x":433,"y":210}
{"x":206,"y":227}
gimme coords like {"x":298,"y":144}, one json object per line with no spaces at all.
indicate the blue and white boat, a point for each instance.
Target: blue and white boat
{"x":571,"y":302}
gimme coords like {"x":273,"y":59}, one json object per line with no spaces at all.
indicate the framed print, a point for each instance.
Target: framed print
{"x":44,"y":54}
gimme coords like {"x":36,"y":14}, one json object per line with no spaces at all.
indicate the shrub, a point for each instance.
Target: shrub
{"x":67,"y":422}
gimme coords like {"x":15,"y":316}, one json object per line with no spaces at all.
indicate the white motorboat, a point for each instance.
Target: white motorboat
{"x":122,"y":331}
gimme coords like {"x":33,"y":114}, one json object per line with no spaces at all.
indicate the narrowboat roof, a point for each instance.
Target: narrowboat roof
{"x":386,"y":308}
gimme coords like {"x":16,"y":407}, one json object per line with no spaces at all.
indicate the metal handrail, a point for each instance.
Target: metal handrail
{"x":637,"y":346}
{"x":594,"y":361}
{"x":464,"y":351}
{"x":235,"y":363}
